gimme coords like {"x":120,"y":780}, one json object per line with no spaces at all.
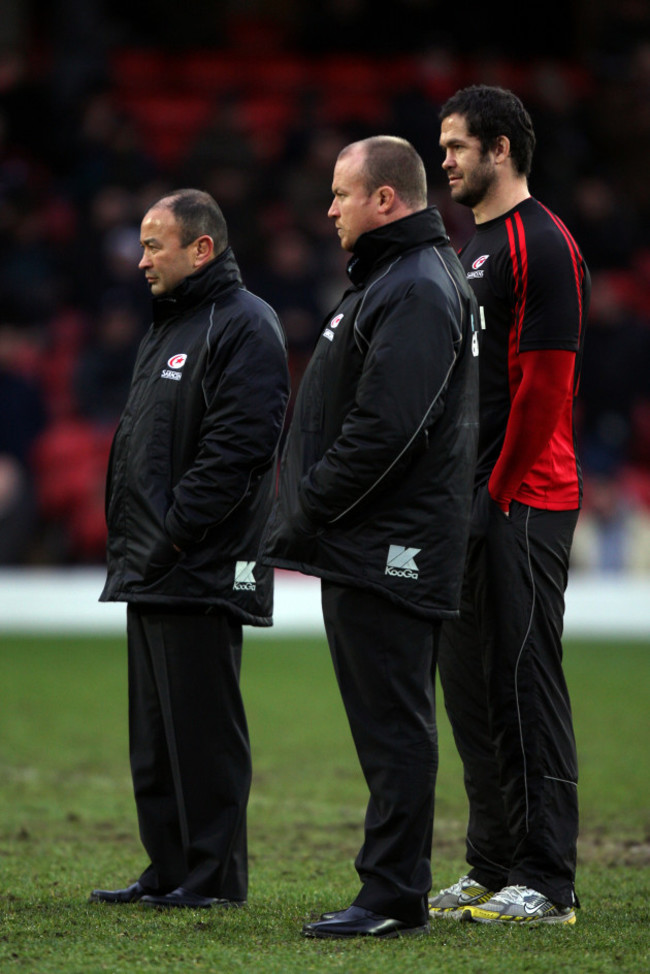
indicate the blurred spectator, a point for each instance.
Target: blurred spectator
{"x":28,"y":273}
{"x":614,"y":528}
{"x":305,"y":180}
{"x":287,"y":278}
{"x":557,"y":96}
{"x":605,"y":223}
{"x":222,"y":162}
{"x":22,"y":418}
{"x":614,"y":373}
{"x":106,"y":150}
{"x":603,"y":539}
{"x":107,"y":253}
{"x":103,"y":375}
{"x":614,"y":523}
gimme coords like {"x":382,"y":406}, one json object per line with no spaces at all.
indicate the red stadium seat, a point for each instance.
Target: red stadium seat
{"x":168,"y":121}
{"x":139,"y":68}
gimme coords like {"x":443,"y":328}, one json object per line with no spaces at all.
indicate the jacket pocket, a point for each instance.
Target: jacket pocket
{"x":162,"y":557}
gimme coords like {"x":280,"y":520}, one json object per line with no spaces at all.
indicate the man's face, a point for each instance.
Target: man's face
{"x":353,"y":210}
{"x":471,"y":173}
{"x":164,"y":261}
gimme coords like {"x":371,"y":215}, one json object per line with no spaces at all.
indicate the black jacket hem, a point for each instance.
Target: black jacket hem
{"x":201,"y":606}
{"x":338,"y":578}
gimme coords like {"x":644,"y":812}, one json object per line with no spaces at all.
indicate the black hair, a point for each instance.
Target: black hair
{"x":490,"y":112}
{"x":197,"y":214}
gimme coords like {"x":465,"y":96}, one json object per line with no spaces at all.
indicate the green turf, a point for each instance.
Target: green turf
{"x":67,"y":823}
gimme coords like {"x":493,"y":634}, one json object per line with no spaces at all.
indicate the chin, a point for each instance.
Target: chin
{"x":464,"y":198}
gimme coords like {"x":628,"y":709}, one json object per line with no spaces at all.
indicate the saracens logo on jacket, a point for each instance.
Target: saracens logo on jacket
{"x":333,"y":325}
{"x":175,"y":363}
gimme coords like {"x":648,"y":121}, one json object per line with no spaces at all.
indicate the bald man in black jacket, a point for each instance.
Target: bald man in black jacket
{"x":375,"y":495}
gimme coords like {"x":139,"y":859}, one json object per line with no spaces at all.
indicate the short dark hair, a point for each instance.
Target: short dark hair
{"x":392,"y":161}
{"x":197,"y":213}
{"x":490,"y":112}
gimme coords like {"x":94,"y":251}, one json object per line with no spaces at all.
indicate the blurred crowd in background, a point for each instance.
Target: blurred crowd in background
{"x":101,"y":114}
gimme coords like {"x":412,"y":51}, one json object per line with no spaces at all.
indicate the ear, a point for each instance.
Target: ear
{"x":204,"y":250}
{"x":501,"y":148}
{"x":386,"y":198}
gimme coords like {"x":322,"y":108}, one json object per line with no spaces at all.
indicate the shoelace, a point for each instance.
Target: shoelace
{"x":513,"y":894}
{"x":456,"y":888}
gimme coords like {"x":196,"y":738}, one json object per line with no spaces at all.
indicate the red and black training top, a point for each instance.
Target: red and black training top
{"x":532,"y":286}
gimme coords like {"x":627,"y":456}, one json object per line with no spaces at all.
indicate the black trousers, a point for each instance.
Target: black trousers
{"x":505,"y":692}
{"x":189,"y":747}
{"x":384,"y":659}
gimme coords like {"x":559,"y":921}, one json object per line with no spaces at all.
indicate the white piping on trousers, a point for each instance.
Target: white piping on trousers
{"x":523,"y":644}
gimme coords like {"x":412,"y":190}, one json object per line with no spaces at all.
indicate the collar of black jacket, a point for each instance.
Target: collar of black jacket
{"x":387,"y":242}
{"x":217,"y":277}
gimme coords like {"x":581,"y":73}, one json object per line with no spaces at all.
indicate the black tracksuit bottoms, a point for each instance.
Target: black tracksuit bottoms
{"x":189,"y":747}
{"x":384,"y":659}
{"x":506,"y":696}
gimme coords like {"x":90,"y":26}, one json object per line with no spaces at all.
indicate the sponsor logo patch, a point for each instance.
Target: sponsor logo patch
{"x":476,"y":267}
{"x":331,"y":328}
{"x":177,"y":361}
{"x":401,"y":562}
{"x":244,"y":578}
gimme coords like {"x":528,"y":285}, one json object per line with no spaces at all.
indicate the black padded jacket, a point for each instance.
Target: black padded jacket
{"x":377,"y":472}
{"x":193,"y":461}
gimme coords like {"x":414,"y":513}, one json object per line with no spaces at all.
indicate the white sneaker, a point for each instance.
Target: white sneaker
{"x":450,"y":902}
{"x":519,"y":904}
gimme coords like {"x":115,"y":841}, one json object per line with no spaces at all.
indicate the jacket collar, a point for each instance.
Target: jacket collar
{"x":218,"y":277}
{"x":393,"y":239}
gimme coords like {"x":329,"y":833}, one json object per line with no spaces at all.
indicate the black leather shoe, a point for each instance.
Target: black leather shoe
{"x":357,"y":922}
{"x":131,"y":894}
{"x":334,"y":913}
{"x":186,"y":898}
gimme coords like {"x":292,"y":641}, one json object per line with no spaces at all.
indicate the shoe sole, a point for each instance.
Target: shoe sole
{"x":192,"y":906}
{"x":567,"y":920}
{"x":176,"y":906}
{"x":391,"y":935}
{"x":101,"y":899}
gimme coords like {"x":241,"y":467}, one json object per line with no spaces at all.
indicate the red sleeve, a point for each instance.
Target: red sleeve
{"x":547,"y":381}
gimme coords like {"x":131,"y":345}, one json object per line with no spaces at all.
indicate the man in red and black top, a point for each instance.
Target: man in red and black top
{"x":501,"y":663}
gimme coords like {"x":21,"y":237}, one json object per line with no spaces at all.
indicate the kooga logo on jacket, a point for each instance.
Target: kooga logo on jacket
{"x":401,"y":561}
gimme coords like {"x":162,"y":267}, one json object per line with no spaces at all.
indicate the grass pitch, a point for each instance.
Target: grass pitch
{"x":67,"y":824}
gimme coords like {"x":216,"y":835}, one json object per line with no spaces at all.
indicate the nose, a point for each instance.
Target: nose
{"x":448,"y":162}
{"x":145,"y":261}
{"x":334,"y":209}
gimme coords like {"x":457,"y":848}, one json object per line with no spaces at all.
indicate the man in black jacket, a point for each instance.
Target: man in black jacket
{"x":190,"y":484}
{"x":375,"y":493}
